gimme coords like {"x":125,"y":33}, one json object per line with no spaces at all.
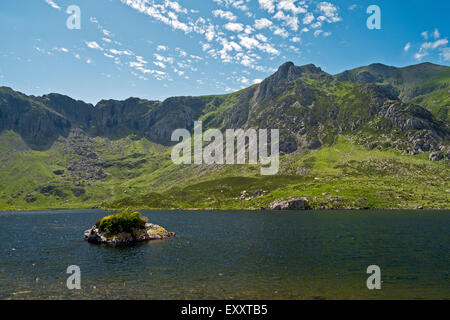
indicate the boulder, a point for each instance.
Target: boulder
{"x":435,"y":156}
{"x":291,"y":203}
{"x":150,"y":232}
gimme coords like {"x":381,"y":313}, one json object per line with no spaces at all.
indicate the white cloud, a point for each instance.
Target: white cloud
{"x":159,"y":64}
{"x":317,"y":33}
{"x":163,"y":59}
{"x":330,"y":11}
{"x":135,"y":64}
{"x":248,"y":42}
{"x":261,"y":37}
{"x":291,"y":21}
{"x":219,"y":44}
{"x":238,"y":4}
{"x":426,"y":47}
{"x":248,"y":29}
{"x":316,"y":25}
{"x":352,"y":7}
{"x":235,"y":27}
{"x":210,"y":33}
{"x":280,"y":32}
{"x":53,"y":4}
{"x":94,"y":45}
{"x":268,"y":48}
{"x":419,"y":55}
{"x":407,"y":47}
{"x":267,"y":5}
{"x":445,"y":54}
{"x":288,"y":5}
{"x":424,"y":35}
{"x":309,"y":17}
{"x":262,"y":23}
{"x":175,"y":6}
{"x":228,"y":15}
{"x":160,"y":13}
{"x":182,"y":53}
{"x":436,"y":34}
{"x":162,"y":48}
{"x":435,"y":44}
{"x":62,"y":49}
{"x":121,"y":52}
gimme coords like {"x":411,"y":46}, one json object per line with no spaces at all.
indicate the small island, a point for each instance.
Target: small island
{"x":125,"y":228}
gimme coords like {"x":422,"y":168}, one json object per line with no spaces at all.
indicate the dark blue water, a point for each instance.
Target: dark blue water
{"x":231,"y":255}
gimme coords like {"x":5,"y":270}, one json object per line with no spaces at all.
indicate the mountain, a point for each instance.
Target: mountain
{"x":59,"y":152}
{"x":425,"y":83}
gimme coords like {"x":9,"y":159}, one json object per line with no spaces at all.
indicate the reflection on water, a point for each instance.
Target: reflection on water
{"x":231,"y":255}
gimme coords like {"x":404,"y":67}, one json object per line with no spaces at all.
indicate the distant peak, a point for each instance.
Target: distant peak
{"x":287,"y":65}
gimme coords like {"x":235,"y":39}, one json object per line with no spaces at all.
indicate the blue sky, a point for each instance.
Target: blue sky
{"x":154,"y":49}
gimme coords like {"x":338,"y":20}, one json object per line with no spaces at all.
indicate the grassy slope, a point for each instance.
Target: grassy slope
{"x":343,"y":175}
{"x":26,"y":172}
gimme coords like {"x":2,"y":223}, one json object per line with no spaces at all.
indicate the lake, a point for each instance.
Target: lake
{"x":231,"y":255}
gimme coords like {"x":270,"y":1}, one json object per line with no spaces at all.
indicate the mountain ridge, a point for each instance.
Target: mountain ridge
{"x":292,"y":90}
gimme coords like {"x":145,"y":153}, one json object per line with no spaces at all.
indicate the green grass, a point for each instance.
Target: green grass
{"x":339,"y":175}
{"x":125,"y":221}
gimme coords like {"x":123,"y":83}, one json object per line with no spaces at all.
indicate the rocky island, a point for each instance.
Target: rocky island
{"x":125,"y":228}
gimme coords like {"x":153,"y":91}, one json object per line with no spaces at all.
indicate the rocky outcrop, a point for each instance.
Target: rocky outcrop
{"x":291,"y":203}
{"x":435,"y":156}
{"x":309,"y":106}
{"x":150,"y":232}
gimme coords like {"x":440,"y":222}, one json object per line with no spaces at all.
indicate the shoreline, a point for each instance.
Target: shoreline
{"x":207,"y":210}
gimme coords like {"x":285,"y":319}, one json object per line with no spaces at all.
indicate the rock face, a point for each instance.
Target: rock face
{"x":435,"y":156}
{"x":309,"y":106}
{"x":151,"y":232}
{"x":292,"y":203}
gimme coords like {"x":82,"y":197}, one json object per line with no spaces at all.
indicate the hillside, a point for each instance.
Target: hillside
{"x":360,"y":139}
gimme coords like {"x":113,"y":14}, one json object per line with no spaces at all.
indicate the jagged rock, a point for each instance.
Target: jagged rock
{"x":291,"y":203}
{"x":30,"y":198}
{"x":77,"y":192}
{"x":435,"y":156}
{"x":258,"y":193}
{"x":315,"y":144}
{"x":53,"y":191}
{"x":151,"y":232}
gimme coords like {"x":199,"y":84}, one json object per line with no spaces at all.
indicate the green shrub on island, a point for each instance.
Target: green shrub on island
{"x":125,"y":221}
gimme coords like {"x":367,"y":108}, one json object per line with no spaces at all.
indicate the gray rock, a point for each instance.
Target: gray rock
{"x":151,"y":232}
{"x":258,"y":193}
{"x":291,"y":203}
{"x":435,"y":156}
